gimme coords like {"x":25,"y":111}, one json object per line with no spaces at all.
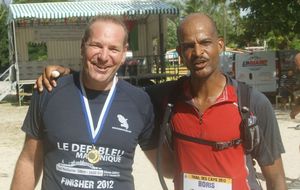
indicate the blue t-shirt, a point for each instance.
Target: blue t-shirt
{"x":57,"y":118}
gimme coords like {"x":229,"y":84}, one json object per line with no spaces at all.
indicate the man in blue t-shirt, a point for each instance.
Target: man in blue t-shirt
{"x":83,"y":135}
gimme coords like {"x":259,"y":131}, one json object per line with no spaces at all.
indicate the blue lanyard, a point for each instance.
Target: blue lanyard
{"x":95,"y":132}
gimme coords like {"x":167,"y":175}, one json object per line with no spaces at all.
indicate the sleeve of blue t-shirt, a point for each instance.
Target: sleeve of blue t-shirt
{"x":32,"y":124}
{"x":145,"y":138}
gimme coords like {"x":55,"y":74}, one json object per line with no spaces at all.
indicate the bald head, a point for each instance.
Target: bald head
{"x":199,"y":45}
{"x":195,"y":19}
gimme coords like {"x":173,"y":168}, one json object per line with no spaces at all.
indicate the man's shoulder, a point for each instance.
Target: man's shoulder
{"x":253,"y":92}
{"x":133,"y":92}
{"x":66,"y":80}
{"x":257,"y":99}
{"x":127,"y":87}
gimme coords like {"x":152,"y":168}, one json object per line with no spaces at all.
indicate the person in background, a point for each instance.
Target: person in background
{"x":84,"y":134}
{"x":296,"y":109}
{"x":287,"y":88}
{"x":206,"y":109}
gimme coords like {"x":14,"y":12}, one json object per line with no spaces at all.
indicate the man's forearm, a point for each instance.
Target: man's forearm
{"x":29,"y":165}
{"x":278,"y":184}
{"x":167,"y":163}
{"x":26,"y":175}
{"x":274,"y":174}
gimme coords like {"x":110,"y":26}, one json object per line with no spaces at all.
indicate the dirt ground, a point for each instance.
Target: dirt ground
{"x":11,"y":141}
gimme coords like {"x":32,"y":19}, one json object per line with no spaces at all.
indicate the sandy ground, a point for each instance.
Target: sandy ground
{"x":11,"y":141}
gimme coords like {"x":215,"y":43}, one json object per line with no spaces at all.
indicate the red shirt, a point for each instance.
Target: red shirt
{"x":219,"y":122}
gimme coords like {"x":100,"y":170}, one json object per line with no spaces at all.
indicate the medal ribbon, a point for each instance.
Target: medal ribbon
{"x":95,"y":132}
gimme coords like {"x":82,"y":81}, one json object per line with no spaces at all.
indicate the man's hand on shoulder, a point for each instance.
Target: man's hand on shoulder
{"x":49,"y":76}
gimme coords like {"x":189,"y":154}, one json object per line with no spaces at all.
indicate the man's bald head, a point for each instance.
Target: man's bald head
{"x":199,"y":45}
{"x":195,"y":19}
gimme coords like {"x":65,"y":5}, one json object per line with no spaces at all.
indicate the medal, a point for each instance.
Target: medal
{"x":93,"y":156}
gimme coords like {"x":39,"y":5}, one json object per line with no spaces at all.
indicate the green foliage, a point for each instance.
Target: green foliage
{"x":172,"y":36}
{"x":278,"y":22}
{"x":295,"y":44}
{"x":4,"y":54}
{"x":205,"y":6}
{"x":172,"y":25}
{"x":37,"y":51}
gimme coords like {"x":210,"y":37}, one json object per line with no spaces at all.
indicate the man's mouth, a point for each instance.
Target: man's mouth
{"x":200,"y":63}
{"x":100,"y":67}
{"x":200,"y":60}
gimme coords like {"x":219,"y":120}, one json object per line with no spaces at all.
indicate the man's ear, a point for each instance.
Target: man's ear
{"x":124,"y":53}
{"x":221,"y":45}
{"x":180,"y":58}
{"x":82,"y":47}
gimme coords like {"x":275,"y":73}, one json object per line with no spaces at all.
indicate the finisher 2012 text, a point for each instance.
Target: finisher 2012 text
{"x":87,"y":184}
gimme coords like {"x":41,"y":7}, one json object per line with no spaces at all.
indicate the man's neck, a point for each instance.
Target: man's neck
{"x":210,"y":86}
{"x":206,"y":91}
{"x":96,"y":85}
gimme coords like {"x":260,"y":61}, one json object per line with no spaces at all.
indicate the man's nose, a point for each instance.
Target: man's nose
{"x":198,"y":49}
{"x":103,"y":54}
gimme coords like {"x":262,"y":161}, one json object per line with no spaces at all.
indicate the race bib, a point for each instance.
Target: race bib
{"x":201,"y":182}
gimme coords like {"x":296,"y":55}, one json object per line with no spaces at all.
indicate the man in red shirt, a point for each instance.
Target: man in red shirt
{"x":206,"y":108}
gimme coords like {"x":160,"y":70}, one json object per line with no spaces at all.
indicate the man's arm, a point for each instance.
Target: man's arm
{"x":29,"y":165}
{"x":167,"y":160}
{"x":274,"y":175}
{"x":49,"y":76}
